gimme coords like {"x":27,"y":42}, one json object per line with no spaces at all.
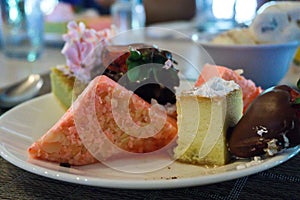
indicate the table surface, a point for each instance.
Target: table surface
{"x":281,"y":182}
{"x":13,"y":70}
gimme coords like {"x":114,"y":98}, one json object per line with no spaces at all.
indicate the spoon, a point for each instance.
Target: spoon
{"x":21,"y":91}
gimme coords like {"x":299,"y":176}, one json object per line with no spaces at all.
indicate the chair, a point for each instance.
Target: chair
{"x":169,"y":10}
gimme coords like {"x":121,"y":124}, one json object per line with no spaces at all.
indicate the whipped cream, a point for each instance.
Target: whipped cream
{"x":214,"y":87}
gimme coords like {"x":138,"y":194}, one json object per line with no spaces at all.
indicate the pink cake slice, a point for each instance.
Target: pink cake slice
{"x":99,"y":114}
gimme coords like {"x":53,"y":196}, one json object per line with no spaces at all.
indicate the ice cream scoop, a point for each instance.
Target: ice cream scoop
{"x":277,"y":22}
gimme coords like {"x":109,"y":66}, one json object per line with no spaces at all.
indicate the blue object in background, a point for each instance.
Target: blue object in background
{"x":89,"y":4}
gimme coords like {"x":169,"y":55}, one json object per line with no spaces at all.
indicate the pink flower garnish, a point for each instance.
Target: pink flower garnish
{"x":83,"y":48}
{"x":168,"y":64}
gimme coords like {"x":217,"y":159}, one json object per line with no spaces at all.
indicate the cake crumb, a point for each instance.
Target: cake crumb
{"x":272,"y":148}
{"x":255,"y":161}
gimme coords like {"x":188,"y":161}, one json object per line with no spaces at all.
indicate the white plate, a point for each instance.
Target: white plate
{"x":22,"y":125}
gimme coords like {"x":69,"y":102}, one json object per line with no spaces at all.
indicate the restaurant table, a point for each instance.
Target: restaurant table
{"x":280,"y":182}
{"x":14,"y":70}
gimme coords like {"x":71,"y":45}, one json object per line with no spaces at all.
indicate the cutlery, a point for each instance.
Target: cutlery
{"x":20,"y":91}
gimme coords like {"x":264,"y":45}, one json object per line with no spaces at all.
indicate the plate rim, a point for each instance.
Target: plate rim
{"x":138,"y":183}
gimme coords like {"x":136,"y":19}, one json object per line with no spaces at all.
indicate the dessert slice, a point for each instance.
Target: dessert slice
{"x":65,"y":87}
{"x":82,"y":50}
{"x":105,"y":119}
{"x":270,"y":125}
{"x":250,"y":90}
{"x":204,"y":115}
{"x":62,"y":86}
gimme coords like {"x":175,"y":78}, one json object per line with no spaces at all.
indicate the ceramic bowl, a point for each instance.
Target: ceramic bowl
{"x":265,"y":64}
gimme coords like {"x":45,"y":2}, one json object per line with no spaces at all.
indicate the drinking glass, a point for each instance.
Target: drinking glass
{"x":22,"y":27}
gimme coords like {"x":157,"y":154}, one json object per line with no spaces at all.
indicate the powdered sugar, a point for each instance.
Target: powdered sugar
{"x":214,"y":87}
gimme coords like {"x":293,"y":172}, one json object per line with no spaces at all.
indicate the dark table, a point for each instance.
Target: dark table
{"x":281,"y":182}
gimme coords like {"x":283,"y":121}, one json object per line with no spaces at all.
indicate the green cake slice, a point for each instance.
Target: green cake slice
{"x":62,"y":87}
{"x":204,"y":115}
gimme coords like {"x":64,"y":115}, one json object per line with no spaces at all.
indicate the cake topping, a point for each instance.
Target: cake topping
{"x":83,"y":48}
{"x":260,"y":130}
{"x":271,"y":124}
{"x":214,"y":87}
{"x":250,"y":90}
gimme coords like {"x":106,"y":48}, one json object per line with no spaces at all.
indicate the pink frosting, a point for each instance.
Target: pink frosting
{"x":83,"y":48}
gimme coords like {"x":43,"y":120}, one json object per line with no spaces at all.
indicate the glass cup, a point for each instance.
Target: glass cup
{"x":122,"y":14}
{"x":22,"y":27}
{"x":128,"y":14}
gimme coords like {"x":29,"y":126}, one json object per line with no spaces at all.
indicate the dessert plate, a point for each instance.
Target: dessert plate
{"x":22,"y":125}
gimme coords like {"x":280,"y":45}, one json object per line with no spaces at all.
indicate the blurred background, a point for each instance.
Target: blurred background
{"x":188,"y":15}
{"x":206,"y":15}
{"x":31,"y":36}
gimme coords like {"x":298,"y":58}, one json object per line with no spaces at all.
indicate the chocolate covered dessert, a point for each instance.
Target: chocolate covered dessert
{"x":271,"y":124}
{"x":148,"y":71}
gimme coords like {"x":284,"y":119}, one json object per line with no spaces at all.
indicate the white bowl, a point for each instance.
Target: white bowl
{"x":265,"y":64}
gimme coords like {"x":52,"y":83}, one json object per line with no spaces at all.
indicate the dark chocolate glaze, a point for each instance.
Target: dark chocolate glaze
{"x":163,"y":92}
{"x":272,"y":115}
